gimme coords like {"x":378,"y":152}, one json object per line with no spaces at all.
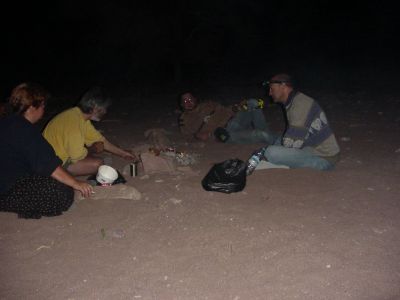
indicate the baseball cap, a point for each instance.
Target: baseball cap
{"x":279,"y":78}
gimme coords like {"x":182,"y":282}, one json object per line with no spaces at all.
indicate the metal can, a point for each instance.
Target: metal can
{"x":133,"y":169}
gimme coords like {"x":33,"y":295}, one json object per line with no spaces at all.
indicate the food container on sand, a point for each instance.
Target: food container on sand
{"x":106,"y":175}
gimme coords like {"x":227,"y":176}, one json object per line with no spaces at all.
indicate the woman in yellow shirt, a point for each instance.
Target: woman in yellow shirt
{"x":71,"y":133}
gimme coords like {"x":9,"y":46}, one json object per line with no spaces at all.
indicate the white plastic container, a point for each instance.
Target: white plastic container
{"x":106,"y":175}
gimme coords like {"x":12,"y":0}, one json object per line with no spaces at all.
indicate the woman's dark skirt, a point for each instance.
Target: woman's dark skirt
{"x":35,"y":196}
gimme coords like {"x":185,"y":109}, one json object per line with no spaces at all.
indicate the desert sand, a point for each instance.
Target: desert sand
{"x":290,"y":234}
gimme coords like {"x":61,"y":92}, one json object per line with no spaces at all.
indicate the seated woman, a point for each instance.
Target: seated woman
{"x":32,"y":182}
{"x":75,"y":139}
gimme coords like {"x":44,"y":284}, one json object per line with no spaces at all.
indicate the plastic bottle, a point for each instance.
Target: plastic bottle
{"x":254,"y":160}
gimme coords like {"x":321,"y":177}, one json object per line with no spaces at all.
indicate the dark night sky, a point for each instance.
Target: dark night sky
{"x":67,"y":44}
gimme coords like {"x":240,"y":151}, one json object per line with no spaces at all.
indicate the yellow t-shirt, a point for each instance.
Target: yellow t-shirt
{"x":69,"y":132}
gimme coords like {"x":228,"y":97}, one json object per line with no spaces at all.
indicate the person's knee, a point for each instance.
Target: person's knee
{"x":97,"y":162}
{"x":252,"y":103}
{"x":86,"y":166}
{"x":271,"y":152}
{"x":323,"y":165}
{"x":92,"y":162}
{"x":233,"y":125}
{"x":265,"y":136}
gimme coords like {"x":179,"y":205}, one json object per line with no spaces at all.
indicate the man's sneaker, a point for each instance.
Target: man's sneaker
{"x":221,"y":134}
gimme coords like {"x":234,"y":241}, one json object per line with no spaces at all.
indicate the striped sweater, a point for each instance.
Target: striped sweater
{"x":308,"y":126}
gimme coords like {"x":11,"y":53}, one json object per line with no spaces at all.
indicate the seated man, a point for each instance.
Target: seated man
{"x":229,"y":124}
{"x":72,"y":135}
{"x":308,"y":141}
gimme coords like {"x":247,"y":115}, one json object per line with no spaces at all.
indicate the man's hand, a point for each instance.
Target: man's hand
{"x":207,"y":118}
{"x":242,"y":105}
{"x":96,"y":148}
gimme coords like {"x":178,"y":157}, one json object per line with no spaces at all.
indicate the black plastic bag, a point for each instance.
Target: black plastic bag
{"x":228,"y":176}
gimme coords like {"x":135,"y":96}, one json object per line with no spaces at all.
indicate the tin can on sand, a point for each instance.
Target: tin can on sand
{"x":133,"y":169}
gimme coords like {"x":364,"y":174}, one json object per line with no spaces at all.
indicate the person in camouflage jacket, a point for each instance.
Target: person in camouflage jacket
{"x":230,"y":124}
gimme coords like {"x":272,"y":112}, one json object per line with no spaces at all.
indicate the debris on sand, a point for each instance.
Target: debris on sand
{"x":185,"y":159}
{"x":157,"y":137}
{"x":118,"y":233}
{"x":175,"y":201}
{"x":117,"y":191}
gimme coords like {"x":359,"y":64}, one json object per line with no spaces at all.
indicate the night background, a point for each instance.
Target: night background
{"x":290,"y":234}
{"x":68,"y":45}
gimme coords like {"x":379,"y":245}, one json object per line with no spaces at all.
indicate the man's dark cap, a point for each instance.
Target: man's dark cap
{"x":279,"y":78}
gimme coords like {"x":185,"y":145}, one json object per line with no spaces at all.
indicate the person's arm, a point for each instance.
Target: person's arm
{"x":96,"y":148}
{"x":63,"y":176}
{"x":190,"y":122}
{"x":299,"y":115}
{"x":118,"y":151}
{"x":217,"y":118}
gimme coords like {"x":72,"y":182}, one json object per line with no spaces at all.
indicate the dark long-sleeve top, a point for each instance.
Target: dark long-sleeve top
{"x":23,"y":152}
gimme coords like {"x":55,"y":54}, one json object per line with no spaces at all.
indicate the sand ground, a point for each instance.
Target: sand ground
{"x":290,"y":234}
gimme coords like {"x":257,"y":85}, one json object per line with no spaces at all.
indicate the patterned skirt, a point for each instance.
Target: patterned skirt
{"x":35,"y":196}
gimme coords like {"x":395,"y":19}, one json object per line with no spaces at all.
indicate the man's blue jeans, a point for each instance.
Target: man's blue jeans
{"x":296,"y":158}
{"x":248,"y":127}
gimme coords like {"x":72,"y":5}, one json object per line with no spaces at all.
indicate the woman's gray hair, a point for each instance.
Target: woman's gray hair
{"x":92,"y":98}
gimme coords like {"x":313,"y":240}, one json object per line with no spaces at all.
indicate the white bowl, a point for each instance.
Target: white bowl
{"x":106,"y":175}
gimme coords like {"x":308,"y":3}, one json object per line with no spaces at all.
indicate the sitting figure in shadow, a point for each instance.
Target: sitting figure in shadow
{"x":243,"y":123}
